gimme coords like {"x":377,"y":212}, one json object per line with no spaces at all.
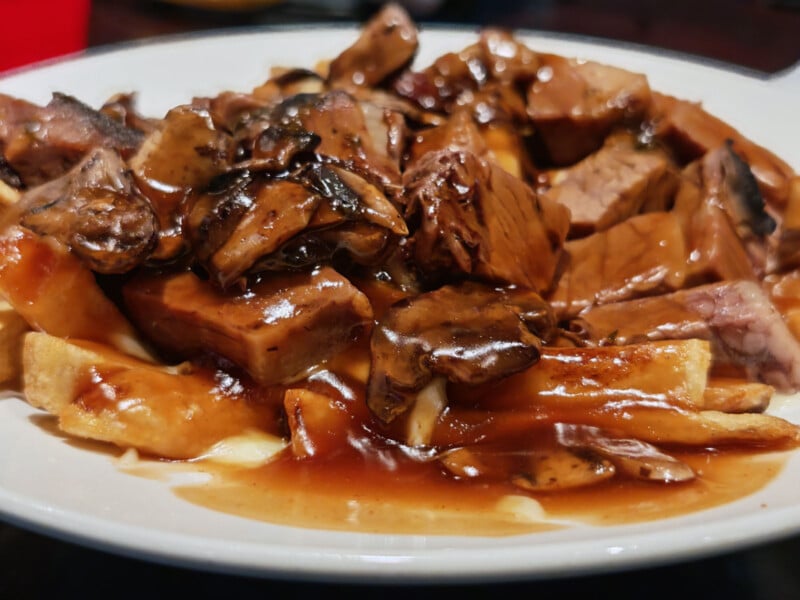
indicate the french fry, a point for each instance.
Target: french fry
{"x":702,"y":428}
{"x":8,"y":195}
{"x":101,"y":394}
{"x":12,"y":326}
{"x":670,"y":372}
{"x":737,"y":396}
{"x":54,"y":292}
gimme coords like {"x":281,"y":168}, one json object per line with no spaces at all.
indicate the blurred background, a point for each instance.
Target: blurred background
{"x":763,"y":35}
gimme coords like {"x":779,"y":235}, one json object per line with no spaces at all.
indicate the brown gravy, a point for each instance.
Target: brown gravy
{"x":367,"y":482}
{"x":414,"y":498}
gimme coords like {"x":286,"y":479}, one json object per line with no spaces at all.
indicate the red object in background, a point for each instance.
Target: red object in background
{"x":34,"y":30}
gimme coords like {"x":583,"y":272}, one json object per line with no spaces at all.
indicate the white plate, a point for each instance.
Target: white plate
{"x":71,"y":492}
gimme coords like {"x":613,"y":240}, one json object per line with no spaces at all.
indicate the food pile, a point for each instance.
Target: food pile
{"x":509,"y":265}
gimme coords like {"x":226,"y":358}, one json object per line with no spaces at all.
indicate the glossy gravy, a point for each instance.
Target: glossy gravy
{"x":368,"y":482}
{"x":415,"y":498}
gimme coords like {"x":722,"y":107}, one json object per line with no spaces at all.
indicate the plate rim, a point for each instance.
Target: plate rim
{"x":359,"y":567}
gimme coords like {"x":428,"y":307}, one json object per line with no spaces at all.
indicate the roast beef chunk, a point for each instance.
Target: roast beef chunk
{"x":788,"y":251}
{"x":642,"y":256}
{"x":388,"y":42}
{"x":725,"y":219}
{"x":437,"y":87}
{"x":467,"y":333}
{"x":476,"y":219}
{"x":692,"y":132}
{"x":484,"y":76}
{"x":42,"y":143}
{"x":574,"y":104}
{"x":744,"y":327}
{"x":183,"y":154}
{"x":276,"y":330}
{"x":97,"y":211}
{"x":459,"y":132}
{"x":616,"y":182}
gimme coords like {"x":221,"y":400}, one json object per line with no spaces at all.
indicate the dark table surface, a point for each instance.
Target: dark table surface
{"x":756,"y":34}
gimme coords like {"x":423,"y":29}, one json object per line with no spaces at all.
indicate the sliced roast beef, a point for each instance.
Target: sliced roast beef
{"x":643,"y":256}
{"x":97,"y":210}
{"x":467,"y":333}
{"x":388,"y":42}
{"x":459,"y":132}
{"x":498,"y":62}
{"x":277,"y":329}
{"x":727,"y":225}
{"x":476,"y":219}
{"x":41,"y":143}
{"x":787,"y":254}
{"x":746,"y":330}
{"x":692,"y":132}
{"x":574,"y":104}
{"x":616,"y":182}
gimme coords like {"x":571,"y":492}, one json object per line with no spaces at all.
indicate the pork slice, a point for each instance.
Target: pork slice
{"x":574,"y":104}
{"x":477,"y":219}
{"x":277,"y":329}
{"x":643,"y":256}
{"x":614,"y":183}
{"x":691,"y":132}
{"x":745,"y":329}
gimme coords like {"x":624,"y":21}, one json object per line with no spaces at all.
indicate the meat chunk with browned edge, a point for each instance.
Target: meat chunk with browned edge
{"x":642,"y":256}
{"x":746,"y":330}
{"x":618,"y":181}
{"x":574,"y":104}
{"x":725,"y":219}
{"x":477,"y":219}
{"x":41,"y":143}
{"x":467,"y":333}
{"x":277,"y":329}
{"x":691,"y":132}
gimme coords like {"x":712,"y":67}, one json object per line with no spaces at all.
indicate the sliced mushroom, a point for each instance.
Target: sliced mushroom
{"x":467,"y":333}
{"x":633,"y":457}
{"x":97,"y":211}
{"x":184,"y":154}
{"x":534,"y":470}
{"x":388,"y":42}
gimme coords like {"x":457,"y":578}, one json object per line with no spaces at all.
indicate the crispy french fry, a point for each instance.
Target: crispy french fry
{"x":12,"y":326}
{"x":54,"y":292}
{"x":670,"y":372}
{"x":699,"y":428}
{"x":101,"y":394}
{"x":736,"y":396}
